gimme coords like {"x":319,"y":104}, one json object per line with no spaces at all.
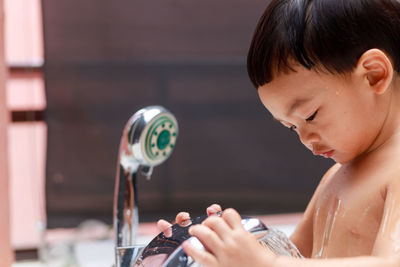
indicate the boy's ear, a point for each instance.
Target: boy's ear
{"x":377,"y":69}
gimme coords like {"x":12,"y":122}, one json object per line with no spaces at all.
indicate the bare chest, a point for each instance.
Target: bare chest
{"x":347,"y":219}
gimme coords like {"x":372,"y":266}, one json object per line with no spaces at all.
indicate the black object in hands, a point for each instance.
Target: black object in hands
{"x":168,"y":252}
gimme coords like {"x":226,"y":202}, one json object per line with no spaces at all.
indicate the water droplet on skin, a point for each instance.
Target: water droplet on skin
{"x":389,"y":211}
{"x":329,"y":225}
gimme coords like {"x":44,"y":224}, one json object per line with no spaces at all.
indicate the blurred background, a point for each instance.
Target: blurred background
{"x":77,"y":70}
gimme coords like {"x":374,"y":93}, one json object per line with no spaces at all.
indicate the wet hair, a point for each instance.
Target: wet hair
{"x":327,"y":35}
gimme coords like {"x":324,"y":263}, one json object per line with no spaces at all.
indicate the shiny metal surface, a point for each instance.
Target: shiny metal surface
{"x":165,"y":251}
{"x":148,"y":139}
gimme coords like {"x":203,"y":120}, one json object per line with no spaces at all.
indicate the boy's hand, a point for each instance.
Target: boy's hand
{"x":183,"y":218}
{"x":227,"y":243}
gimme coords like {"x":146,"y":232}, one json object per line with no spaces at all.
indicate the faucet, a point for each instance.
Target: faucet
{"x":148,"y":139}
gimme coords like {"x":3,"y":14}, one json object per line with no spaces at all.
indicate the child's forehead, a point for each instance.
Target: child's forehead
{"x":288,"y":91}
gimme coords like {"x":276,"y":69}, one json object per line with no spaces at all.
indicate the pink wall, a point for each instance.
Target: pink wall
{"x":26,"y":140}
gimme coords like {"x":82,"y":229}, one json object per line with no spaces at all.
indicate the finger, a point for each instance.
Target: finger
{"x":213,"y":209}
{"x":219,"y":226}
{"x":202,"y":257}
{"x":207,"y":237}
{"x":165,"y":227}
{"x":182,"y":217}
{"x":232,"y":218}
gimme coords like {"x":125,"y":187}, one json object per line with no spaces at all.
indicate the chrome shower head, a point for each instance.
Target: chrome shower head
{"x":148,"y":139}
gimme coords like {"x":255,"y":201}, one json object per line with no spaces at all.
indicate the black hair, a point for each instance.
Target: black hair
{"x":323,"y":35}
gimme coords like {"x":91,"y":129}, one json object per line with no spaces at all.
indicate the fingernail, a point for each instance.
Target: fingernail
{"x":186,"y":222}
{"x":212,"y":210}
{"x":184,"y":216}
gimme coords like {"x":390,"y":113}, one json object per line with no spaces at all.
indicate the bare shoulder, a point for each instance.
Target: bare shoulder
{"x":329,"y":174}
{"x":386,"y":166}
{"x":325,"y":179}
{"x":303,"y":235}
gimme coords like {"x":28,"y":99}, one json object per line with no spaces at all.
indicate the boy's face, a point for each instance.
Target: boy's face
{"x":334,"y":116}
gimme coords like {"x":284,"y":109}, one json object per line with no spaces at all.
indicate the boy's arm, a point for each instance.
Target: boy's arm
{"x":302,"y":237}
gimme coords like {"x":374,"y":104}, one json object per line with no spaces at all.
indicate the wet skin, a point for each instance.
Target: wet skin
{"x":348,"y":217}
{"x":353,"y":218}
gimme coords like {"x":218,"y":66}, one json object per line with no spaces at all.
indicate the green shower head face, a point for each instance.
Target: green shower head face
{"x":160,"y":138}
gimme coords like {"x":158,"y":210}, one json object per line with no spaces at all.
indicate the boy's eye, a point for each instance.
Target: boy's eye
{"x":312,"y":117}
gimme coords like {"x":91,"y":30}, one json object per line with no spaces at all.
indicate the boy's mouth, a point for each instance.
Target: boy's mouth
{"x":326,"y":154}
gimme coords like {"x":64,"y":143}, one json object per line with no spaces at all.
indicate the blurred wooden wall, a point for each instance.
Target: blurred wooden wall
{"x":104,"y":60}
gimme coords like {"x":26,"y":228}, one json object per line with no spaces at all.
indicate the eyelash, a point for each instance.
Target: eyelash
{"x":311,"y":118}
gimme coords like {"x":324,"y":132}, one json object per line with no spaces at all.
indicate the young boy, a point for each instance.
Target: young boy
{"x":328,"y":70}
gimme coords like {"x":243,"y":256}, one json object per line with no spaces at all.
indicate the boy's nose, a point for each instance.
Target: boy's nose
{"x":308,"y":138}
